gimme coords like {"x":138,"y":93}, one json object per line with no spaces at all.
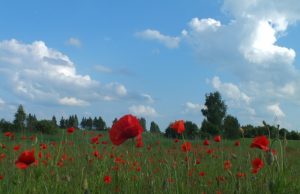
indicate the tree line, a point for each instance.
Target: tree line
{"x":216,"y":122}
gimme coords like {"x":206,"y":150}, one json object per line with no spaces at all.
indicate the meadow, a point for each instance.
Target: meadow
{"x":87,"y":162}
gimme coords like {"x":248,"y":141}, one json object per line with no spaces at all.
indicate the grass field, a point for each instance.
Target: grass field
{"x":70,"y":163}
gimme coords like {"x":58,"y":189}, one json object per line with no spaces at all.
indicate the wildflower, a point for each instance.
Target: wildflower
{"x":126,"y":127}
{"x":227,"y":165}
{"x":71,"y":130}
{"x":206,"y":142}
{"x":217,"y":138}
{"x":25,"y":159}
{"x":178,"y":126}
{"x":257,"y":164}
{"x":107,"y":179}
{"x":237,"y":143}
{"x":260,"y":142}
{"x":186,"y":146}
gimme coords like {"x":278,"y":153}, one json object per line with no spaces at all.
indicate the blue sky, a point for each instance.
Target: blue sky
{"x":155,"y":59}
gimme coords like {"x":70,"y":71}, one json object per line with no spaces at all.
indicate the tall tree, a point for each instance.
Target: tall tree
{"x":54,"y":120}
{"x":214,"y":113}
{"x":20,"y":117}
{"x":154,"y":128}
{"x":143,"y":123}
{"x":31,"y":122}
{"x":62,"y":123}
{"x":231,"y":127}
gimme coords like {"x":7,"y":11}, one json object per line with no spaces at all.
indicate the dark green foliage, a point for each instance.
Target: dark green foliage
{"x":6,"y":126}
{"x":62,"y":124}
{"x":191,"y":130}
{"x":46,"y":126}
{"x":154,"y":128}
{"x":143,"y":123}
{"x":20,"y":117}
{"x":99,"y":124}
{"x":30,"y":122}
{"x":215,"y":109}
{"x":214,"y":113}
{"x":231,"y":127}
{"x":54,"y":120}
{"x":208,"y":128}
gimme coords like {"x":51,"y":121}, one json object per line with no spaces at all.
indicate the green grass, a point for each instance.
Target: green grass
{"x":158,"y":167}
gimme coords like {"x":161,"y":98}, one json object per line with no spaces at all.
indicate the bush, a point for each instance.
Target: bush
{"x":46,"y":126}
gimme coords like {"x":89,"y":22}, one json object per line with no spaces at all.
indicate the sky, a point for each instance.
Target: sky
{"x":153,"y":59}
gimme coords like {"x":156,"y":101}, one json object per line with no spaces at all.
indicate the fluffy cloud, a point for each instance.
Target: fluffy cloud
{"x":275,"y":110}
{"x":248,"y":48}
{"x":74,"y":42}
{"x":231,"y":91}
{"x":192,"y":107}
{"x":42,"y":74}
{"x":71,"y":101}
{"x":168,"y":41}
{"x":142,"y":110}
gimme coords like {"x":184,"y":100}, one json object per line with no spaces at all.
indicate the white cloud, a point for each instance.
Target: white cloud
{"x":43,"y":74}
{"x":71,"y":101}
{"x":192,"y":107}
{"x":275,"y":110}
{"x":142,"y":110}
{"x":74,"y":42}
{"x":199,"y":25}
{"x":231,"y":91}
{"x":168,"y":41}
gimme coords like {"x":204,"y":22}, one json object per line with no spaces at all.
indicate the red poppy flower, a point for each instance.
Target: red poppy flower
{"x":95,"y":140}
{"x":201,"y":173}
{"x":25,"y":159}
{"x":176,"y":140}
{"x":43,"y":146}
{"x":206,"y":142}
{"x":257,"y":164}
{"x":8,"y":134}
{"x":71,"y":130}
{"x":126,"y":127}
{"x":227,"y":165}
{"x":260,"y":142}
{"x":17,"y":147}
{"x":107,"y":179}
{"x":178,"y":126}
{"x":1,"y":177}
{"x":217,"y":138}
{"x":237,"y":143}
{"x":186,"y":146}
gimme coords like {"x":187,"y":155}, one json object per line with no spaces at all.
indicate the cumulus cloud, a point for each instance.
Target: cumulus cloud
{"x":71,"y":101}
{"x":275,"y":110}
{"x":168,"y":41}
{"x":192,"y":107}
{"x":43,"y":74}
{"x":74,"y":42}
{"x":231,"y":91}
{"x":142,"y":110}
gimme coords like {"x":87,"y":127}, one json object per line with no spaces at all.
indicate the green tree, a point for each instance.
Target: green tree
{"x":46,"y":126}
{"x":20,"y":117}
{"x":214,"y":113}
{"x":143,"y":123}
{"x":62,"y":123}
{"x":231,"y":127}
{"x":54,"y":120}
{"x":191,"y":130}
{"x":31,"y":121}
{"x":154,"y":128}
